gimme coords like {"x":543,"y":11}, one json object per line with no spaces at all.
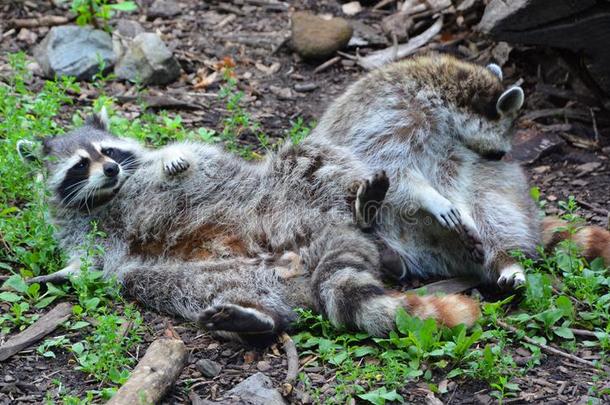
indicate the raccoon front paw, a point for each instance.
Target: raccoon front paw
{"x":234,"y":318}
{"x":175,"y":165}
{"x":370,"y":196}
{"x":447,"y":214}
{"x":512,"y":276}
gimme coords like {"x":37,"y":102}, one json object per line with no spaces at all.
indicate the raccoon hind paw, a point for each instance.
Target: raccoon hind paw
{"x":235,"y":318}
{"x":370,"y":197}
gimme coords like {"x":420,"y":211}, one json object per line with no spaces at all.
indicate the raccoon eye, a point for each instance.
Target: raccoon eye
{"x":108,"y":152}
{"x":83,"y":164}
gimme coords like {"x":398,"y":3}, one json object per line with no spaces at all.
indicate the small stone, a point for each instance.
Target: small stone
{"x":9,"y":378}
{"x":147,"y":60}
{"x":256,"y":390}
{"x":208,"y":368}
{"x":263,"y":366}
{"x":164,"y":8}
{"x":351,"y":8}
{"x":226,"y":353}
{"x":128,"y":28}
{"x":27,"y":36}
{"x":305,"y":87}
{"x":283,"y":93}
{"x":315,"y":38}
{"x":586,"y":168}
{"x":70,"y":50}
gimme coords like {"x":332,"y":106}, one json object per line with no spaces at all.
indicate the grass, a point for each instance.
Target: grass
{"x":563,"y":292}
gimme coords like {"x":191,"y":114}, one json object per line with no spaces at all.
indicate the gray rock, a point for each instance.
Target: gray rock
{"x":255,"y":390}
{"x":316,"y":38}
{"x":71,"y":50}
{"x":147,"y":60}
{"x":164,"y":8}
{"x":128,"y":29}
{"x":208,"y":368}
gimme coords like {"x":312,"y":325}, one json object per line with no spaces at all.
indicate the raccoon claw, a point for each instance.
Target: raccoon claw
{"x":370,"y":196}
{"x":448,"y":216}
{"x":234,"y":318}
{"x":472,"y":241}
{"x":511,"y":277}
{"x":176,"y":166}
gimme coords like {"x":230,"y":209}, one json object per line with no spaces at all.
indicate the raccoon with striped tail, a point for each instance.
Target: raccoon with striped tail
{"x":439,"y":127}
{"x":235,"y":246}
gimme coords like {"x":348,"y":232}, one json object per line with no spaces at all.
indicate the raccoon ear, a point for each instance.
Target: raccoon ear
{"x":495,"y":69}
{"x":29,"y":151}
{"x":510,"y":101}
{"x":99,"y":120}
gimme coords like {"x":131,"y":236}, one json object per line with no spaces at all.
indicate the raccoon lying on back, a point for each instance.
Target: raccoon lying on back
{"x":235,"y":246}
{"x":439,"y":127}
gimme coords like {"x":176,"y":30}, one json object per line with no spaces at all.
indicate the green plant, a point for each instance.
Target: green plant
{"x":89,"y":11}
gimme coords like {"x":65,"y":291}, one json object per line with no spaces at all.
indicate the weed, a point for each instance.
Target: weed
{"x":90,"y":11}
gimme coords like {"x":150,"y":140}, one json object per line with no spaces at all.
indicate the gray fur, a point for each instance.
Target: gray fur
{"x":230,"y":244}
{"x":429,"y":123}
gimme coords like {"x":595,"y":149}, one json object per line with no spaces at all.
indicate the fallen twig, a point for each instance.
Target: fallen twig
{"x":380,"y":58}
{"x":154,"y":374}
{"x":550,"y":349}
{"x":43,"y":21}
{"x":292,"y":357}
{"x":42,"y":327}
{"x":327,"y":64}
{"x":583,"y":332}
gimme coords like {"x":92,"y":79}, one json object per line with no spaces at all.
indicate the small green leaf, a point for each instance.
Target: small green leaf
{"x":564,"y":332}
{"x":43,"y":303}
{"x":124,"y":6}
{"x":10,"y":297}
{"x":16,"y":283}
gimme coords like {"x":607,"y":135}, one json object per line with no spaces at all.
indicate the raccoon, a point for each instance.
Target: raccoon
{"x":235,"y":246}
{"x":439,"y":127}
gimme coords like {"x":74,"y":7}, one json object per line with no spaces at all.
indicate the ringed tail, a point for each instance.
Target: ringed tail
{"x":594,"y":241}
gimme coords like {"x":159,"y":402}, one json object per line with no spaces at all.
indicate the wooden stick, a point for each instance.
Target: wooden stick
{"x":154,"y":375}
{"x":292,"y":357}
{"x":43,"y":21}
{"x":583,"y":332}
{"x":42,"y":327}
{"x":327,"y":64}
{"x":380,"y":58}
{"x":550,"y":349}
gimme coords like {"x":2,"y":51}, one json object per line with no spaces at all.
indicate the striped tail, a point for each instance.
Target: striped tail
{"x":593,"y":241}
{"x":449,"y":310}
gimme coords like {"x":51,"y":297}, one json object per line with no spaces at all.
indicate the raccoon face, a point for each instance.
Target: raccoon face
{"x":489,"y":131}
{"x":88,"y":166}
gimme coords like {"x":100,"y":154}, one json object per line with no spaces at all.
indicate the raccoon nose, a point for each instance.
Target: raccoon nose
{"x":111,"y":169}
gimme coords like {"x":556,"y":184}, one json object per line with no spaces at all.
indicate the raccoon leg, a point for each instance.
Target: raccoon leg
{"x":348,"y":291}
{"x":448,"y":215}
{"x":369,"y":198}
{"x":233,"y":298}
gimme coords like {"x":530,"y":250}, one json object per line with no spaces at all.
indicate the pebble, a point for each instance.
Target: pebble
{"x":263,"y":366}
{"x":208,"y":368}
{"x":305,"y":87}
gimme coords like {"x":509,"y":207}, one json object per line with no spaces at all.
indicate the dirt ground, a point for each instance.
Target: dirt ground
{"x":273,"y":82}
